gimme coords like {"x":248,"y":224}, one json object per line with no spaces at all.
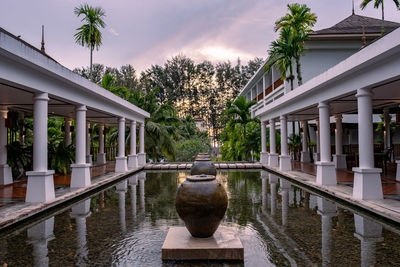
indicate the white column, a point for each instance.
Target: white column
{"x":80,"y":176}
{"x":305,"y":154}
{"x":387,"y":119}
{"x":367,"y":179}
{"x":339,"y":159}
{"x":142,"y":154}
{"x":89,"y":158}
{"x":120,"y":161}
{"x":369,"y":233}
{"x":122,"y":188}
{"x":40,"y":181}
{"x":317,"y":154}
{"x":5,"y":170}
{"x":39,"y":236}
{"x":327,"y":210}
{"x":263,"y":154}
{"x":284,"y":158}
{"x":80,"y":212}
{"x":67,"y":126}
{"x":326,"y":174}
{"x":132,"y":158}
{"x":273,"y":157}
{"x":101,"y":156}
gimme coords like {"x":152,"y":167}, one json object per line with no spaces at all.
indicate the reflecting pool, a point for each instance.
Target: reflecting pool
{"x":278,"y":223}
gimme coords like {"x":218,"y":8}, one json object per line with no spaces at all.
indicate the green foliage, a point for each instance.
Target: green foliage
{"x":19,"y":158}
{"x":378,"y":3}
{"x":187,"y":149}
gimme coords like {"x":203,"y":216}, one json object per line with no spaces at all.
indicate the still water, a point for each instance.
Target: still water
{"x":279,"y":224}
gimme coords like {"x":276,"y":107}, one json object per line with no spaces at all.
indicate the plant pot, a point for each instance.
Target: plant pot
{"x":201,"y":203}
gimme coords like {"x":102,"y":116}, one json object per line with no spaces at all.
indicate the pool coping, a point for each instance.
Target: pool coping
{"x":20,"y":213}
{"x":387,"y":209}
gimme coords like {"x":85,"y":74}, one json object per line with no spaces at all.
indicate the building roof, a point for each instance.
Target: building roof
{"x":354,"y":25}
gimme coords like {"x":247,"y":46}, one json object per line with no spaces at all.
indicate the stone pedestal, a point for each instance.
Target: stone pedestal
{"x":305,"y":156}
{"x":285,"y":163}
{"x":89,"y":159}
{"x":132,"y":161}
{"x":142,"y":159}
{"x":273,"y":160}
{"x":264,"y":158}
{"x":101,"y":158}
{"x":340,"y":161}
{"x":317,"y":157}
{"x":326,"y":173}
{"x":398,"y":170}
{"x":80,"y":176}
{"x":367,"y":184}
{"x":40,"y":186}
{"x":5,"y":174}
{"x":121,"y":164}
{"x":223,"y":245}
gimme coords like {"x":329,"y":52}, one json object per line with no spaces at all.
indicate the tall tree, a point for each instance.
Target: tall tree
{"x":378,"y":3}
{"x":89,"y":33}
{"x":300,"y":20}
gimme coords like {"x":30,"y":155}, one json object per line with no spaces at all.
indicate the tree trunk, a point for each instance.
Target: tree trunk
{"x":299,"y":78}
{"x":91,"y":63}
{"x":383,"y":20}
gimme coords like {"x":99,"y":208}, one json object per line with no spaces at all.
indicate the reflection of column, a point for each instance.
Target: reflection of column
{"x":284,"y":188}
{"x":39,"y":236}
{"x":327,"y":210}
{"x":273,"y":180}
{"x":121,"y":190}
{"x":369,"y":233}
{"x":80,"y":212}
{"x":142,"y":178}
{"x":264,"y":189}
{"x":133,"y":184}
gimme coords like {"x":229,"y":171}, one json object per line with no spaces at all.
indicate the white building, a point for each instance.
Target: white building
{"x":33,"y":83}
{"x":347,"y":71}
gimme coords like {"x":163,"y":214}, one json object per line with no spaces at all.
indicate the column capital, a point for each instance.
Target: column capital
{"x":41,"y":96}
{"x":121,"y":119}
{"x":323,"y":104}
{"x":338,"y":117}
{"x":271,"y":121}
{"x":283,"y":117}
{"x":79,"y":108}
{"x":364,"y":92}
{"x":133,"y":123}
{"x":142,"y":124}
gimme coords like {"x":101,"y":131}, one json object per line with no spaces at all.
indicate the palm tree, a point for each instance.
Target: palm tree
{"x":378,"y":3}
{"x":89,"y":34}
{"x":300,"y":20}
{"x":281,"y":54}
{"x":240,"y":109}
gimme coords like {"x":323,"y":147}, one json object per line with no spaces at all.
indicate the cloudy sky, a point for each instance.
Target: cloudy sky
{"x":146,"y":32}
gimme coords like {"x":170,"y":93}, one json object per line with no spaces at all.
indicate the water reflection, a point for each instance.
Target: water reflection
{"x":80,"y":212}
{"x":39,"y":236}
{"x":279,"y":224}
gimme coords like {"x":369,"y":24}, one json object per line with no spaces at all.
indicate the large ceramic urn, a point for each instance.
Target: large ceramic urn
{"x":203,"y":165}
{"x":201,"y":202}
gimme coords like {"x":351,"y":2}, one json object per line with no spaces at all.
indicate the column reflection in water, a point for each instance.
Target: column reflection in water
{"x":142,"y":178}
{"x":264,"y":189}
{"x":284,"y":191}
{"x":133,"y":184}
{"x":327,"y":210}
{"x":80,"y":212}
{"x":39,"y":236}
{"x":273,"y":180}
{"x":369,"y":233}
{"x":121,"y":189}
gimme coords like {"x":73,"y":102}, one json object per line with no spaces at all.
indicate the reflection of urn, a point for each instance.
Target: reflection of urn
{"x":201,"y":203}
{"x":203,"y":165}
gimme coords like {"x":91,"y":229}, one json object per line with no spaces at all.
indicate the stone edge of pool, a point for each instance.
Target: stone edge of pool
{"x":33,"y":209}
{"x":385,"y":208}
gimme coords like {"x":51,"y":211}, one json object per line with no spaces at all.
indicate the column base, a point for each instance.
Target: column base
{"x":80,"y":176}
{"x":398,"y":170}
{"x":305,"y":157}
{"x":326,"y":173}
{"x":89,"y":159}
{"x":284,"y":163}
{"x":5,"y":174}
{"x":132,"y":161}
{"x":141,"y":159}
{"x":40,"y":186}
{"x":101,"y":158}
{"x":340,"y":161}
{"x":316,"y":156}
{"x":121,"y":164}
{"x":367,"y":184}
{"x":273,"y":160}
{"x":264,"y":158}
